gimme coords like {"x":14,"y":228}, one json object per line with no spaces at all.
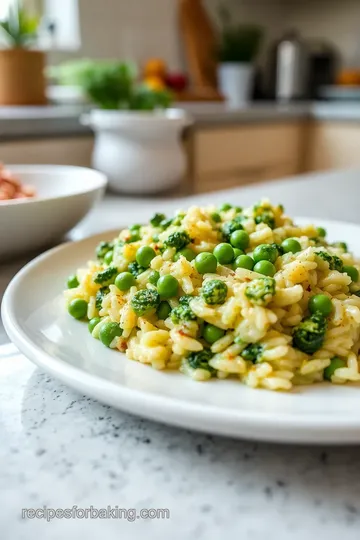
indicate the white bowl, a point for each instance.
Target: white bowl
{"x":64,"y":196}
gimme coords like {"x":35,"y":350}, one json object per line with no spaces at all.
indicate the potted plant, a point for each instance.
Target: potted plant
{"x":237,"y":49}
{"x":137,"y":136}
{"x":22,"y":80}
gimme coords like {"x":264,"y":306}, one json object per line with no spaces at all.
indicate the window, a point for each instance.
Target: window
{"x":4,"y":8}
{"x":60,"y":26}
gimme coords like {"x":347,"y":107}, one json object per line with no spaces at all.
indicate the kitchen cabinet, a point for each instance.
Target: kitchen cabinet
{"x":58,"y":151}
{"x":333,"y":145}
{"x":226,"y":157}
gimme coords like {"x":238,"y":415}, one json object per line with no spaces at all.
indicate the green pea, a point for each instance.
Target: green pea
{"x":225,"y":207}
{"x":265,"y":267}
{"x":109,"y":257}
{"x":335,"y":363}
{"x":265,"y":252}
{"x":124,"y":281}
{"x":108,"y":332}
{"x":163,"y":310}
{"x":206,"y":263}
{"x":154,"y":277}
{"x":238,"y":252}
{"x":224,"y":253}
{"x":212,"y":333}
{"x":134,"y":236}
{"x":240,"y":239}
{"x":167,"y":286}
{"x":215,"y":217}
{"x":187,"y":253}
{"x":92,"y":323}
{"x":321,"y":232}
{"x":238,"y":209}
{"x":320,"y":303}
{"x":244,"y":261}
{"x":72,"y":282}
{"x":290,"y":245}
{"x":352,"y":272}
{"x":78,"y":308}
{"x":144,"y":256}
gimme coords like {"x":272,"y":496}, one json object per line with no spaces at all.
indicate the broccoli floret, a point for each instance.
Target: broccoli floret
{"x":157,"y":219}
{"x":145,"y":301}
{"x":102,"y":249}
{"x":182,"y":313}
{"x":325,"y":256}
{"x":240,"y":218}
{"x":214,"y":292}
{"x":200,"y":360}
{"x":135,"y":269}
{"x":337,"y":264}
{"x":261,"y":291}
{"x":229,"y":227}
{"x":334,"y":262}
{"x":107,"y":276}
{"x":178,"y":219}
{"x":100,"y":296}
{"x":341,"y":245}
{"x":309,"y":335}
{"x":178,"y":240}
{"x":166,"y":223}
{"x":266,"y":217}
{"x":184,"y":300}
{"x":253,"y":352}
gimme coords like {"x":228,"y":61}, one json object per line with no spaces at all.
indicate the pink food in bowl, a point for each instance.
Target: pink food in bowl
{"x":12,"y":188}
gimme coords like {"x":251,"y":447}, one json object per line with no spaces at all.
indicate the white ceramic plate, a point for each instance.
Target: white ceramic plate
{"x":36,"y":321}
{"x":64,"y":196}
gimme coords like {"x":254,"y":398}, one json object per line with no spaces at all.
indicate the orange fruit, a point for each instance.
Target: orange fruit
{"x":155,"y":83}
{"x":348,"y":77}
{"x":155,"y":67}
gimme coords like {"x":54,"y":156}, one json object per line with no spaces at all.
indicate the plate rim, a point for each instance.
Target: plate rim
{"x":99,"y":182}
{"x":318,"y":428}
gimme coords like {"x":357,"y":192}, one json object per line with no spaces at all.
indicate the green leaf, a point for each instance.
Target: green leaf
{"x":110,"y":84}
{"x":240,"y":43}
{"x":20,"y":28}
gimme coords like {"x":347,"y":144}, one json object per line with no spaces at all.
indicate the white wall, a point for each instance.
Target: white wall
{"x":337,"y":21}
{"x":139,"y":29}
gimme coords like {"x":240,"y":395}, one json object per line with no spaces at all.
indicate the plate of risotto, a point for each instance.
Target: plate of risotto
{"x":236,"y":321}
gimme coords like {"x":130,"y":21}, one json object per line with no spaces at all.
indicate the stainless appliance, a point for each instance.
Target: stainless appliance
{"x":289,"y":68}
{"x":323,"y":66}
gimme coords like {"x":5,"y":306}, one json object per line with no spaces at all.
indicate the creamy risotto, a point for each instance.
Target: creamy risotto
{"x":226,"y":292}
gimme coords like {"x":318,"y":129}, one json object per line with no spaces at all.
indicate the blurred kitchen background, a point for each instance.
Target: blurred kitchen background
{"x":263,"y":89}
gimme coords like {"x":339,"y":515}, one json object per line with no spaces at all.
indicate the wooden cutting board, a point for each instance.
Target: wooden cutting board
{"x":199,"y":40}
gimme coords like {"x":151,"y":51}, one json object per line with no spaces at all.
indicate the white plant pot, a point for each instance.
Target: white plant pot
{"x":140,"y":152}
{"x":235,"y":82}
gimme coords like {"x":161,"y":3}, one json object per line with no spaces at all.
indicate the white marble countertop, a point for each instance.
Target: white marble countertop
{"x":59,"y":449}
{"x":63,"y":120}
